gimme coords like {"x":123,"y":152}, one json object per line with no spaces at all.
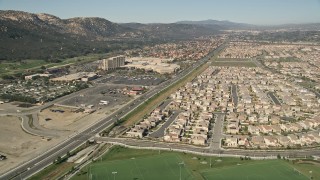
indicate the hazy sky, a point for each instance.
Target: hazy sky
{"x":164,"y":11}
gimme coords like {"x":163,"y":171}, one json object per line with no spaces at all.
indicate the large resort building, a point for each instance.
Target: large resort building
{"x":112,"y":63}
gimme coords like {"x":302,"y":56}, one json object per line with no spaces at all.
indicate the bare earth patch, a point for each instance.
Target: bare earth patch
{"x":17,"y":145}
{"x":59,"y":120}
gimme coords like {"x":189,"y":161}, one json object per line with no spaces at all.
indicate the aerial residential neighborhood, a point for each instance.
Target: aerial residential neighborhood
{"x":160,"y":90}
{"x":258,"y":108}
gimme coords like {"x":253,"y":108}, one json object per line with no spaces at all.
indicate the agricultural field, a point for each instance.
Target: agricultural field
{"x":153,"y":164}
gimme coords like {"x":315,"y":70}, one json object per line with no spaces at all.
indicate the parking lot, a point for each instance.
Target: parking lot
{"x":135,"y":80}
{"x":99,"y":97}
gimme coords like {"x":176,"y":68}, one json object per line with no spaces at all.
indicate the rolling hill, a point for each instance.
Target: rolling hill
{"x":26,"y":35}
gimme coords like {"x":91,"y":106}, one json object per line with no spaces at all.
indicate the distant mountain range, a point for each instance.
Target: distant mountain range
{"x":218,"y":24}
{"x":228,"y":25}
{"x":43,"y":36}
{"x":172,"y":30}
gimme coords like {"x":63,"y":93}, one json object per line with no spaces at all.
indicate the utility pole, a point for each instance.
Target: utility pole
{"x":114,"y":175}
{"x":180,"y":164}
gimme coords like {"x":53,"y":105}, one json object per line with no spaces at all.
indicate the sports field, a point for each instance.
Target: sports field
{"x":262,"y":170}
{"x":157,"y":167}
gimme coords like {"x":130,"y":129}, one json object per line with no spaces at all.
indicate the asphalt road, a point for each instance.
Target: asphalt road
{"x":274,"y":98}
{"x":217,"y":134}
{"x":37,"y":130}
{"x":234,"y":95}
{"x":148,"y":144}
{"x":37,"y":164}
{"x":161,"y":131}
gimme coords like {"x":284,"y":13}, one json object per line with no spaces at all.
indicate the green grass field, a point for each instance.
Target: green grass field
{"x":262,"y":170}
{"x":9,"y":67}
{"x":148,"y":164}
{"x":166,"y":167}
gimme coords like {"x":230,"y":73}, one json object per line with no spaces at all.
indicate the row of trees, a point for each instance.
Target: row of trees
{"x":18,"y":97}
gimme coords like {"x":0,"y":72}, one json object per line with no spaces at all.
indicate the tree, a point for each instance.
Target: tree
{"x":278,"y":156}
{"x":58,"y":160}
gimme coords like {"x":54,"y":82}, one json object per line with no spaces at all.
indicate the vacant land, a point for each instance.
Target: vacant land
{"x":153,"y":164}
{"x":17,"y":145}
{"x":234,"y":63}
{"x":70,"y":121}
{"x":61,"y":119}
{"x":6,"y":67}
{"x":11,"y":67}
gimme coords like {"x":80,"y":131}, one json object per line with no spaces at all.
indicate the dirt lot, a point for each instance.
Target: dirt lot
{"x":72,"y":121}
{"x":20,"y":146}
{"x":59,"y":120}
{"x":12,"y":107}
{"x":17,"y":145}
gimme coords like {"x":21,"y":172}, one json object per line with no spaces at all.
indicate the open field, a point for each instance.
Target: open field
{"x":234,"y":63}
{"x":305,"y":167}
{"x":267,"y":169}
{"x":142,"y":168}
{"x":153,"y":164}
{"x":69,"y":121}
{"x":17,"y":145}
{"x":59,"y":120}
{"x":7,"y":67}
